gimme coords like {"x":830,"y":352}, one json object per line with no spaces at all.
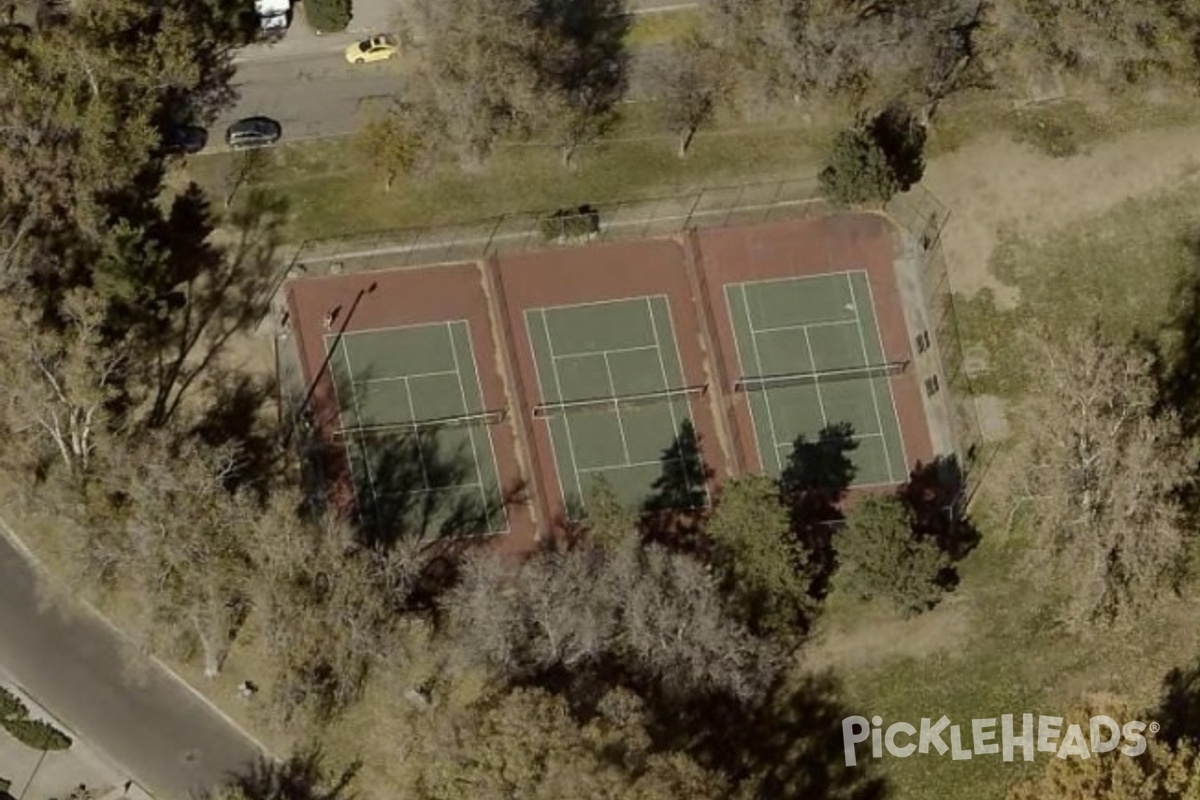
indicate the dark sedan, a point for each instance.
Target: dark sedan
{"x":253,"y":132}
{"x":185,"y":139}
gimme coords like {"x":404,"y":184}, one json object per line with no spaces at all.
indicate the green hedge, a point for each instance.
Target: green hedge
{"x":37,"y":734}
{"x":14,"y":718}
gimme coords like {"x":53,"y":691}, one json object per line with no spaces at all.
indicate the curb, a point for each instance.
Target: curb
{"x":12,"y":538}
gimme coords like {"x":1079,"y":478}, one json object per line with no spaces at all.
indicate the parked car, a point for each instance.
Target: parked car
{"x":185,"y":139}
{"x":253,"y":132}
{"x":377,"y":48}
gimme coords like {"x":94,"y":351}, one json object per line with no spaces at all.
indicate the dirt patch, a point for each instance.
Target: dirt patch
{"x":996,"y":184}
{"x":993,"y":417}
{"x":876,"y":639}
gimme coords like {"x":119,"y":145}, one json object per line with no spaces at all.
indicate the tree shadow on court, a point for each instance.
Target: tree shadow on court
{"x":813,"y":485}
{"x":398,"y":503}
{"x":674,"y":510}
{"x":788,"y":746}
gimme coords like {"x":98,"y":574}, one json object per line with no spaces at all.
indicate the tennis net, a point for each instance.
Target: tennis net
{"x":483,"y":418}
{"x":760,"y":383}
{"x":617,"y":402}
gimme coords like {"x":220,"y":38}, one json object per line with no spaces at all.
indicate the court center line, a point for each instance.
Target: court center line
{"x":593,"y":353}
{"x":887,"y":383}
{"x":462,"y":392}
{"x":612,"y":388}
{"x":491,"y":442}
{"x":887,"y":456}
{"x":758,"y":363}
{"x":812,"y":359}
{"x":630,"y":465}
{"x":416,"y":432}
{"x":566,"y":419}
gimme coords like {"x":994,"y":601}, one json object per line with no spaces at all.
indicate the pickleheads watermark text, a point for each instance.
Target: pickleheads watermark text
{"x":1101,"y":734}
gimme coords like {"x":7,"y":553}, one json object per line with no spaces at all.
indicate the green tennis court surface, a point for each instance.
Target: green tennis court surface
{"x":815,"y":344}
{"x":416,"y":432}
{"x":614,"y":398}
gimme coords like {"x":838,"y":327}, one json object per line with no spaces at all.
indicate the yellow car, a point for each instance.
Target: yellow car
{"x":377,"y":48}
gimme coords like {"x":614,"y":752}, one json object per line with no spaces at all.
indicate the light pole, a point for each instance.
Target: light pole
{"x":312,"y":388}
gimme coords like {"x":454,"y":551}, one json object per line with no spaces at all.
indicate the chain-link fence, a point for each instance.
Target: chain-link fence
{"x":539,"y":230}
{"x":916,"y":211}
{"x":924,"y":217}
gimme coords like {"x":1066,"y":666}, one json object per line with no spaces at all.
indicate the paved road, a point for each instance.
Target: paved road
{"x":162,"y":734}
{"x":316,"y":93}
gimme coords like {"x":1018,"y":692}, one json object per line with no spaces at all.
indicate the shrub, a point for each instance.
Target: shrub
{"x":571,"y":223}
{"x":858,"y":170}
{"x":327,"y":16}
{"x":881,"y":556}
{"x":37,"y":734}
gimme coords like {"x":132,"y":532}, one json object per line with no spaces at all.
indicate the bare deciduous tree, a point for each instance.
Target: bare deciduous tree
{"x":477,"y":74}
{"x":1104,"y":473}
{"x":58,"y":381}
{"x":658,"y":613}
{"x":185,"y":551}
{"x":326,"y":606}
{"x":693,"y":86}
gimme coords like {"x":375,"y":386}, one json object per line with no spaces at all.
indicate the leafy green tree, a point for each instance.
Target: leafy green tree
{"x":764,"y":569}
{"x":609,"y":521}
{"x":400,"y":141}
{"x":858,"y":170}
{"x":327,"y":16}
{"x":881,"y":556}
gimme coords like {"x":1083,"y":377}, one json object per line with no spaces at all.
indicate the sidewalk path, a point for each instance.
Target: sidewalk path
{"x":145,"y":720}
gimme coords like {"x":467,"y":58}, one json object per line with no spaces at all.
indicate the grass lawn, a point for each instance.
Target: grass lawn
{"x":1011,"y":654}
{"x":332,"y":189}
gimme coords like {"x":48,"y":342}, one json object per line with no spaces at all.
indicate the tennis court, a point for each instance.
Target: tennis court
{"x":613,"y":394}
{"x":812,"y":362}
{"x":417,"y":435}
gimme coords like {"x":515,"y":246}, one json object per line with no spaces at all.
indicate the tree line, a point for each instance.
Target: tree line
{"x":491,"y":71}
{"x":639,"y":667}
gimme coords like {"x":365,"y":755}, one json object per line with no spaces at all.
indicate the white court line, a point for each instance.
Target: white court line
{"x":412,"y":418}
{"x":812,"y":359}
{"x":368,"y":381}
{"x":737,"y":348}
{"x":566,"y":417}
{"x":491,"y":442}
{"x":855,"y":437}
{"x":388,"y":328}
{"x":795,"y":279}
{"x":806,"y":325}
{"x":587,"y":303}
{"x":758,"y":362}
{"x":867,"y":360}
{"x":887,"y":380}
{"x":592,"y":353}
{"x":630,"y":465}
{"x":683,"y":377}
{"x":462,"y":392}
{"x":662,"y":367}
{"x":612,"y":388}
